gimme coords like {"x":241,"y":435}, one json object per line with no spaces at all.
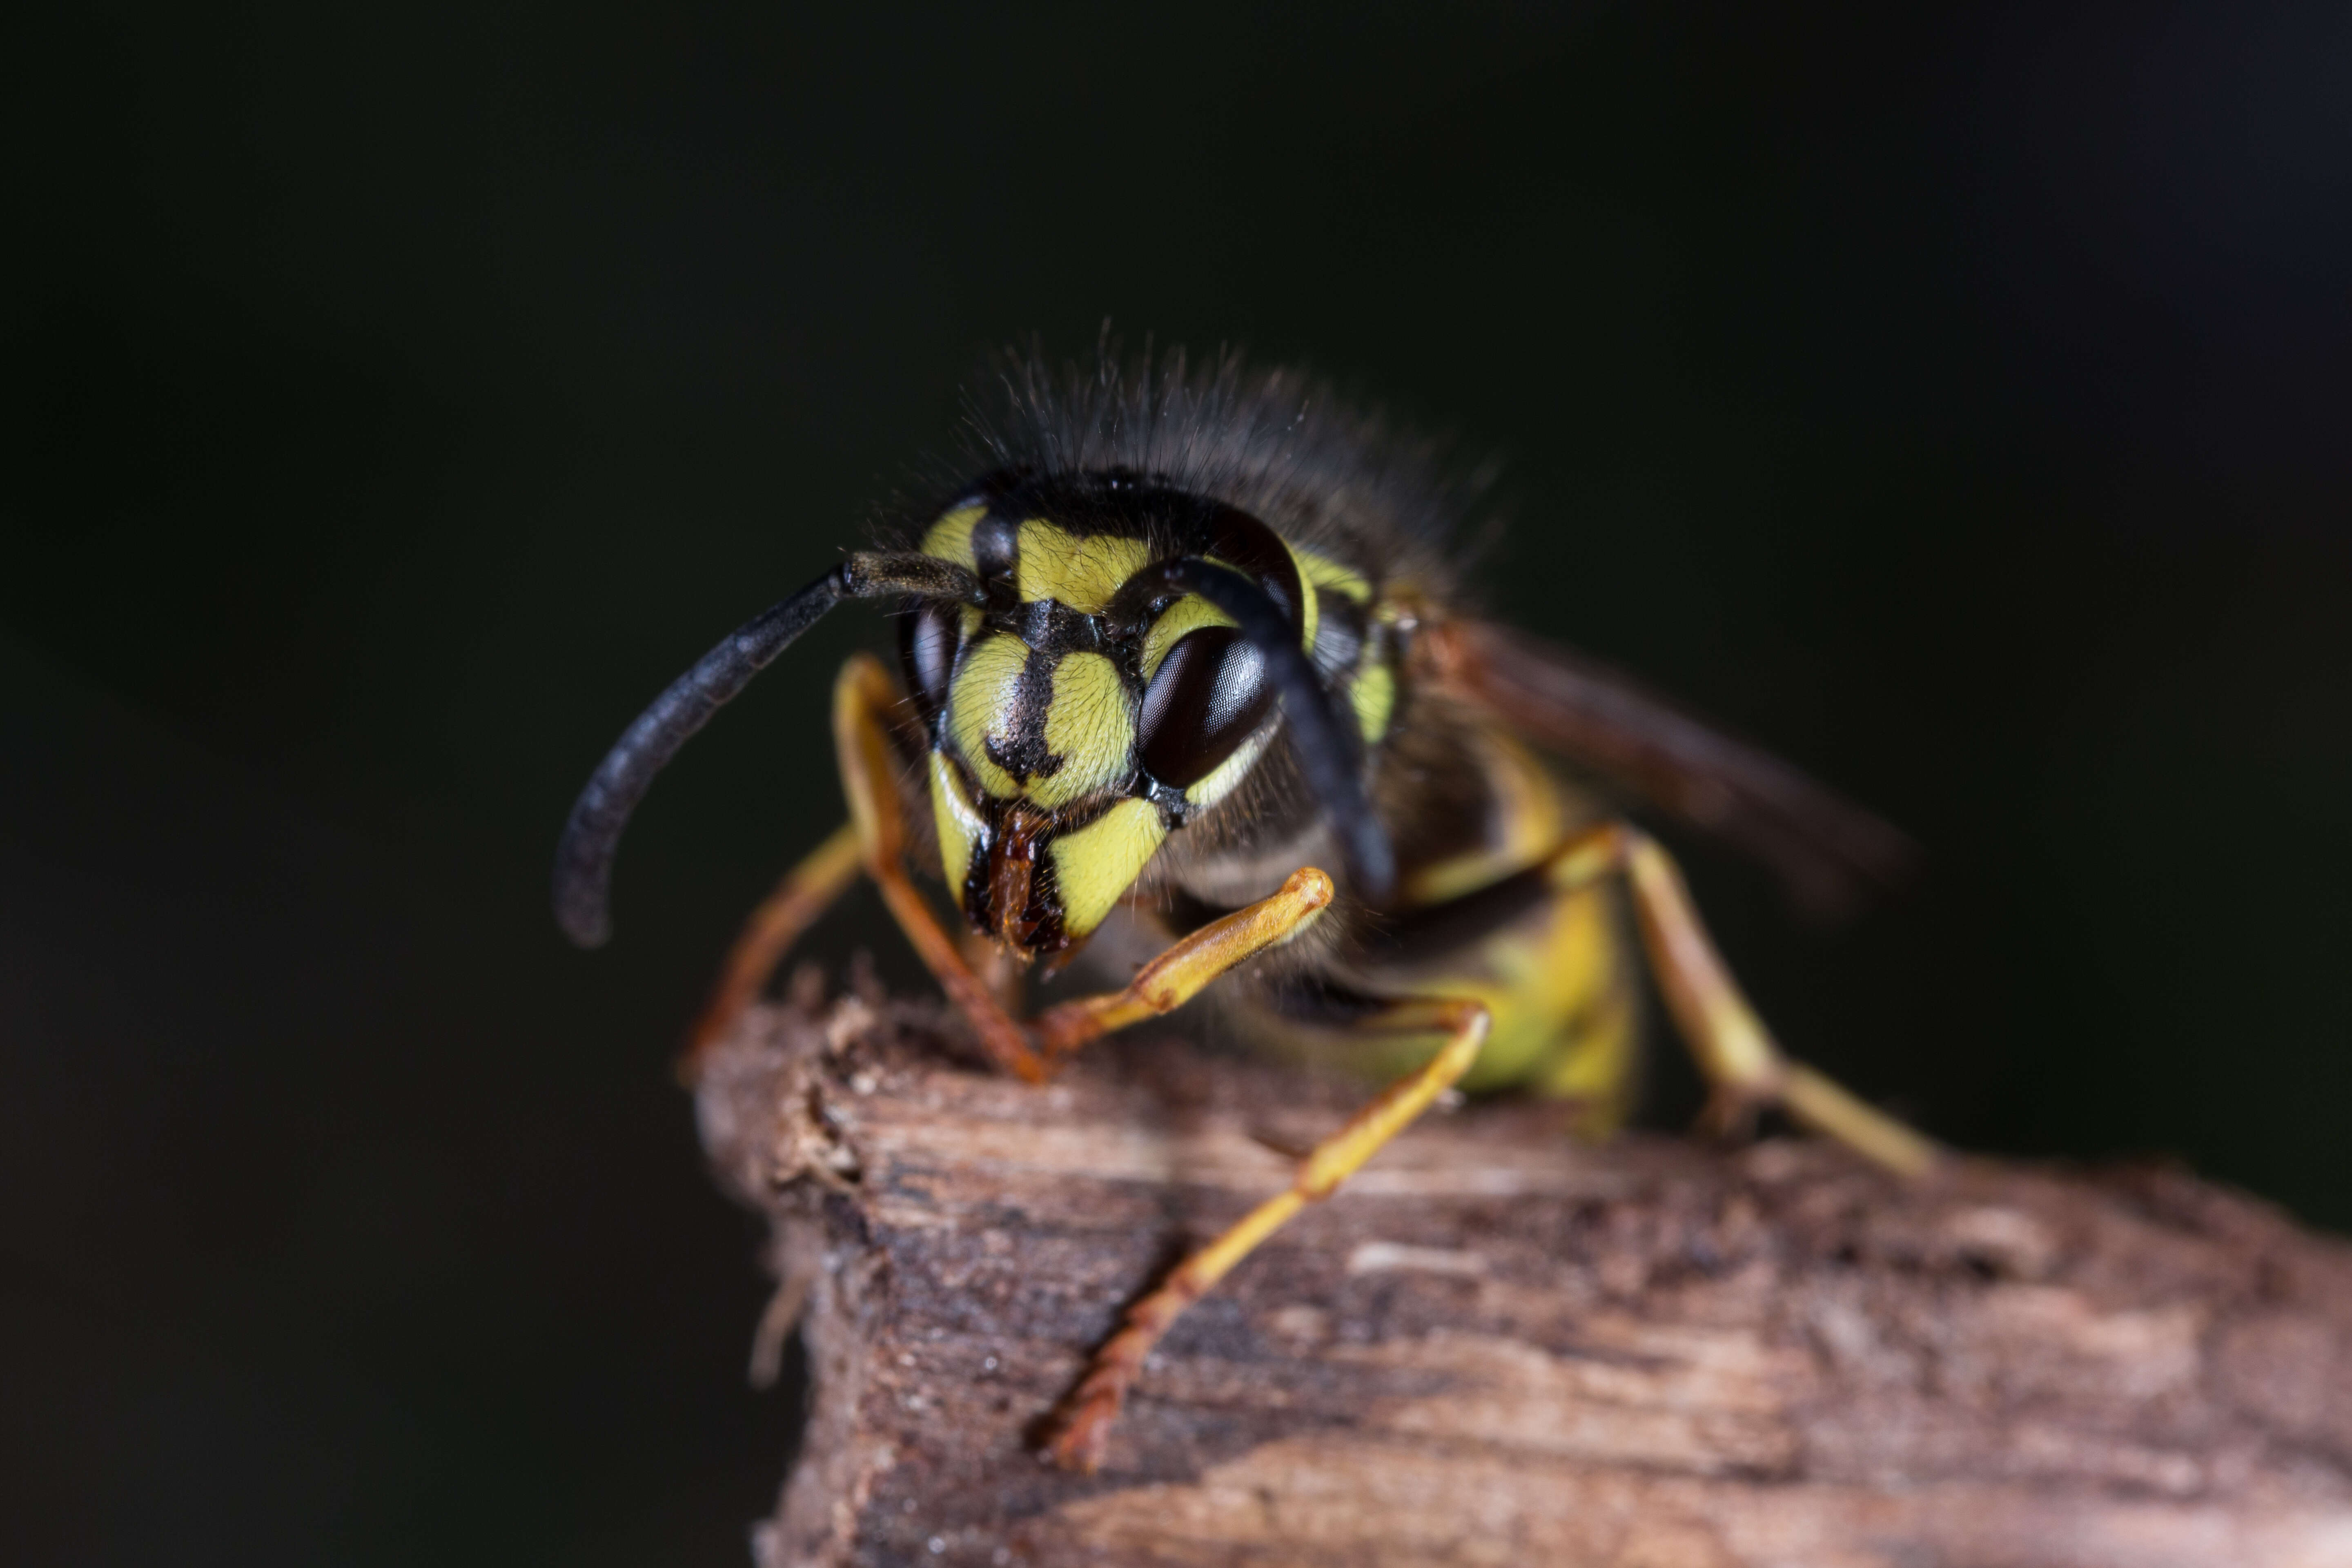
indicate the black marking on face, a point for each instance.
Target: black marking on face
{"x":996,"y":558}
{"x":1051,"y":626}
{"x":1024,"y":754}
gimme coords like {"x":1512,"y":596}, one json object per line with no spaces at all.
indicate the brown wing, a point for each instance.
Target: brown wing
{"x":1831,"y":853}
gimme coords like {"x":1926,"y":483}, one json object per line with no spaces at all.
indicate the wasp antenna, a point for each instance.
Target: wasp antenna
{"x":1328,"y":752}
{"x":584,"y":856}
{"x":872,"y":573}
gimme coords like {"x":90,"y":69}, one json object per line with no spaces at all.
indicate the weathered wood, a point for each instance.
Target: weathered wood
{"x":1496,"y":1346}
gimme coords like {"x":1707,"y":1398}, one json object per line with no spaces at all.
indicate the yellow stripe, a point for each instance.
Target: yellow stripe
{"x":1084,"y":573}
{"x":1192,"y":612}
{"x":1189,"y":614}
{"x":1374,"y":696}
{"x":960,"y":825}
{"x":1310,"y":612}
{"x":1328,"y":573}
{"x":949,"y":539}
{"x":1227,"y":775}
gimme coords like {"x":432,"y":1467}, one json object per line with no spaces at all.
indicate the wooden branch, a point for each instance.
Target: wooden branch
{"x":1496,"y":1346}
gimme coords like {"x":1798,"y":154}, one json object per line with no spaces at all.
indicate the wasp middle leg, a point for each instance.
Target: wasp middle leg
{"x":1085,"y":1420}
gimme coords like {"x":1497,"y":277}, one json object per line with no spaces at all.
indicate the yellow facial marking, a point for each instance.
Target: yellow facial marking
{"x":1189,"y":614}
{"x":1084,"y":573}
{"x":1089,"y":728}
{"x":1331,"y":578}
{"x":1374,"y":695}
{"x":981,"y":705}
{"x":1228,"y":774}
{"x":1310,"y":617}
{"x":1097,"y":865}
{"x":960,"y":825}
{"x":949,"y":539}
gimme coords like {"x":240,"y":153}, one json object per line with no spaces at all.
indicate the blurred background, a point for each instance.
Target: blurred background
{"x":391,"y":401}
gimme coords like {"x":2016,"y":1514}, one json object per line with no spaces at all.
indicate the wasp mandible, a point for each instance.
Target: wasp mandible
{"x":1187,"y":659}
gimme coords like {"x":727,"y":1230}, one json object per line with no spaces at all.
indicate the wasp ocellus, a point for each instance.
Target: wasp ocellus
{"x":1186,"y":662}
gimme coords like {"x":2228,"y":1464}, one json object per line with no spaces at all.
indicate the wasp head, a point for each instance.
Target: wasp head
{"x":1085,"y":711}
{"x":1096,"y":658}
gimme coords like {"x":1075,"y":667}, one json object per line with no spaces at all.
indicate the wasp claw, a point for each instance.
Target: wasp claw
{"x":1730,"y":1115}
{"x":1081,"y":1431}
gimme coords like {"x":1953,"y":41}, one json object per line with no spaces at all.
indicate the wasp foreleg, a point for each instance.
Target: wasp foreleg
{"x":807,"y":890}
{"x":862,"y":698}
{"x":1177,"y":975}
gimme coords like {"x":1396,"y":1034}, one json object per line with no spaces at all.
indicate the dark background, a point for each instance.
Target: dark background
{"x":389,"y":403}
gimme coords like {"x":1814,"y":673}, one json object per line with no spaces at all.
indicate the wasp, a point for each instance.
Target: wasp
{"x":1188,"y":662}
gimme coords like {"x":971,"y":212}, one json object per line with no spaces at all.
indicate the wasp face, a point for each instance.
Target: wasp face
{"x":1079,"y":717}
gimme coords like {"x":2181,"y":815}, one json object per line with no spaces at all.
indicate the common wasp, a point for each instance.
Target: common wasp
{"x":1185,"y":665}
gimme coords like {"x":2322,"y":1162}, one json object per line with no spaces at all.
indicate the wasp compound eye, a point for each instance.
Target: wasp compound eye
{"x":1209,"y":695}
{"x":927,"y":640}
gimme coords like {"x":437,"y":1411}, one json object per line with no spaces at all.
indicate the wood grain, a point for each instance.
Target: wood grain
{"x":1497,"y":1346}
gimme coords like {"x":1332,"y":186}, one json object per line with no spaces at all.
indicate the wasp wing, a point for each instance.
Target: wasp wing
{"x":1831,"y":852}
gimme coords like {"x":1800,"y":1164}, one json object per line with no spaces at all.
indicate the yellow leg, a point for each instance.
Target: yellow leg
{"x":1085,"y":1419}
{"x":1735,"y":1051}
{"x":807,"y":890}
{"x":1178,"y":975}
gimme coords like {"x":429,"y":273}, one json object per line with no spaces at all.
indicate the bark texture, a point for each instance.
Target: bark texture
{"x":1496,"y":1346}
